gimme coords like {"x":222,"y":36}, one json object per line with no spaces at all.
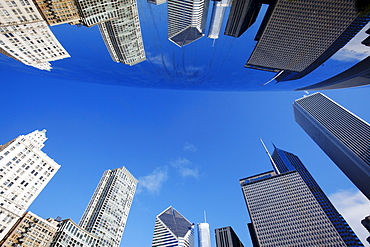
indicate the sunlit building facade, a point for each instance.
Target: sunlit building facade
{"x":226,"y":237}
{"x":296,"y":48}
{"x":156,"y":2}
{"x":287,"y":195}
{"x":30,"y":230}
{"x":107,"y":212}
{"x":343,"y":136}
{"x":24,"y":172}
{"x":172,"y":230}
{"x":26,"y":37}
{"x":204,"y":236}
{"x":58,"y":11}
{"x":186,"y":20}
{"x":122,"y":36}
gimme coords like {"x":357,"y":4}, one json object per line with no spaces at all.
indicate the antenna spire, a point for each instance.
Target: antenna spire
{"x":272,"y":161}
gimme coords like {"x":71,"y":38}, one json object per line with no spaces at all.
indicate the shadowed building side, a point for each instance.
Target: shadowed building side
{"x":226,"y":237}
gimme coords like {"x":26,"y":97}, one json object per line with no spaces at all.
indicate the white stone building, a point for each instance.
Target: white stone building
{"x":24,"y":171}
{"x":106,"y":214}
{"x":26,"y":37}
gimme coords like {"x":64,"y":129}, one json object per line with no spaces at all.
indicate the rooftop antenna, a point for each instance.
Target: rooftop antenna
{"x":205,"y":218}
{"x":273,"y":78}
{"x":213,"y":44}
{"x":272,"y":161}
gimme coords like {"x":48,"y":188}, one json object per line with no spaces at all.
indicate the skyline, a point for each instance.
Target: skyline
{"x":172,"y":141}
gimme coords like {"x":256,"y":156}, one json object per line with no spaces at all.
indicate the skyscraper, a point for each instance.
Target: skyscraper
{"x":107,"y":212}
{"x":58,"y":11}
{"x":218,"y":13}
{"x":204,"y":236}
{"x":296,"y":48}
{"x":26,"y":37}
{"x":279,"y":200}
{"x":186,"y":20}
{"x":156,"y":2}
{"x":343,"y":136}
{"x":226,"y":237}
{"x":172,"y":229}
{"x":24,"y":172}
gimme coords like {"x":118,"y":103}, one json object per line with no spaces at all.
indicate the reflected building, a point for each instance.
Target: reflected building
{"x":287,"y":195}
{"x":106,"y":214}
{"x":24,"y":172}
{"x":296,"y":48}
{"x":58,"y":11}
{"x":204,"y":235}
{"x":343,"y":136}
{"x":156,"y":2}
{"x":26,"y":37}
{"x":226,"y":237}
{"x":218,"y":13}
{"x":357,"y":75}
{"x":243,"y":14}
{"x":172,"y":229}
{"x":186,"y":20}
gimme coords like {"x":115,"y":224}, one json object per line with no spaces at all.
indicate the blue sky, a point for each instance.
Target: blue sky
{"x":188,"y":148}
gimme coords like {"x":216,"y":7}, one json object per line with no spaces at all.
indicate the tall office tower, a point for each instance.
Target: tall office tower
{"x":218,"y":13}
{"x":204,"y":236}
{"x":343,"y":136}
{"x":156,"y":2}
{"x":296,"y":48}
{"x":24,"y":171}
{"x":58,"y":11}
{"x":106,"y":214}
{"x":226,"y":237}
{"x":287,"y":195}
{"x":30,"y":230}
{"x":172,"y":229}
{"x":122,"y":36}
{"x":70,"y":234}
{"x":243,"y":14}
{"x":357,"y":75}
{"x":186,"y":20}
{"x":26,"y":37}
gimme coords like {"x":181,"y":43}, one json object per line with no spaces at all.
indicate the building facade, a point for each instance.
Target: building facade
{"x":295,"y":49}
{"x":30,"y":230}
{"x":343,"y":136}
{"x":204,"y":235}
{"x":24,"y":172}
{"x":186,"y":20}
{"x":226,"y":237}
{"x":107,"y":212}
{"x":287,"y":195}
{"x":58,"y":11}
{"x":122,"y":36}
{"x":26,"y":37}
{"x":218,"y":13}
{"x":366,"y":223}
{"x":172,"y":229}
{"x":156,"y":2}
{"x":70,"y":234}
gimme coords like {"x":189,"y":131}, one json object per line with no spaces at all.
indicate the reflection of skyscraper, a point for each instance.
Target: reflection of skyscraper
{"x":172,"y":229}
{"x":186,"y":20}
{"x":287,"y":195}
{"x":26,"y":37}
{"x":357,"y":75}
{"x":296,"y":48}
{"x":24,"y":172}
{"x":58,"y":11}
{"x":343,"y":136}
{"x":218,"y":12}
{"x":204,"y":235}
{"x":226,"y":236}
{"x":243,"y":14}
{"x":122,"y":36}
{"x":156,"y":2}
{"x":107,"y":212}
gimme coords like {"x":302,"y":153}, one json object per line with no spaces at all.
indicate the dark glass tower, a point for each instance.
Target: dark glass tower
{"x":288,"y":208}
{"x":286,"y":162}
{"x":226,"y":237}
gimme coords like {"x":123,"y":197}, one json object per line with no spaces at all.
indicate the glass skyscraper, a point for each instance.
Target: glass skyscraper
{"x":343,"y":136}
{"x":172,"y":230}
{"x":288,"y":208}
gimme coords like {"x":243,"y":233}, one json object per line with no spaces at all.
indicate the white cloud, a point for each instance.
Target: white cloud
{"x":354,"y":207}
{"x":185,"y":168}
{"x":189,"y":147}
{"x":154,"y":181}
{"x":354,"y":50}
